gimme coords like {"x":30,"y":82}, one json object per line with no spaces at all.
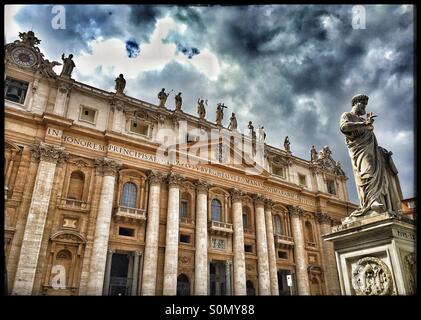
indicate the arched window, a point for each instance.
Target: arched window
{"x":315,"y":287}
{"x":278,"y":225}
{"x":128,"y":197}
{"x":77,"y":180}
{"x":183,"y":285}
{"x":216,"y":210}
{"x":245,"y":220}
{"x":250,"y":288}
{"x":309,"y":232}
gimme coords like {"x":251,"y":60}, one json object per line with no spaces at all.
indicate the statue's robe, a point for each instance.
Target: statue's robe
{"x":375,"y":174}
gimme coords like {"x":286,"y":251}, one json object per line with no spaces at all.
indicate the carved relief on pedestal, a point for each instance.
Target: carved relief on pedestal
{"x":107,"y":167}
{"x":47,"y":152}
{"x":410,"y":269}
{"x":372,"y":277}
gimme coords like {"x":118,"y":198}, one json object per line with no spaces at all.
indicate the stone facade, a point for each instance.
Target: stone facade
{"x":91,"y":209}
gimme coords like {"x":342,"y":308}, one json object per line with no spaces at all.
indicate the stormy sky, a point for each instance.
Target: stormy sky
{"x":290,"y":68}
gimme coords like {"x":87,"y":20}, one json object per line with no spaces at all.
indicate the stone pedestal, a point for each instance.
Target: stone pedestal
{"x":375,"y":255}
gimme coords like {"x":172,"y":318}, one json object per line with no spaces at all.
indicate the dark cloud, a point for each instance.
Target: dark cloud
{"x":132,"y":48}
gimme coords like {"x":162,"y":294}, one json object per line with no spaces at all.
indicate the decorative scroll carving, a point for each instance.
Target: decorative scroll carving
{"x":155,"y":177}
{"x":185,"y":259}
{"x":236,"y":195}
{"x":175,"y":179}
{"x":47,"y":152}
{"x":372,"y":277}
{"x":107,"y":167}
{"x":326,"y":162}
{"x":218,"y":243}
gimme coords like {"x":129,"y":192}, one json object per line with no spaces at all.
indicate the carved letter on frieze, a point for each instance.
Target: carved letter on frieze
{"x":107,"y":167}
{"x":372,"y":277}
{"x":48,"y":152}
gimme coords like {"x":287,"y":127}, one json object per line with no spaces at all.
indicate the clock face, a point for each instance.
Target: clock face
{"x":24,"y":57}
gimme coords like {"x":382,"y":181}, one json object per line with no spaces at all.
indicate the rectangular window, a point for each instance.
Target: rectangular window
{"x":15,"y":90}
{"x":127,"y":232}
{"x":330,"y":184}
{"x":87,"y":115}
{"x":278,"y":170}
{"x":184,"y":209}
{"x":248,"y":248}
{"x":302,"y":180}
{"x":192,"y":137}
{"x":138,"y":127}
{"x":184,"y":238}
{"x":282,"y":255}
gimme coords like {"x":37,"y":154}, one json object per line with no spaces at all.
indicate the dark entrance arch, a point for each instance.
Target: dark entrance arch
{"x":183,"y":285}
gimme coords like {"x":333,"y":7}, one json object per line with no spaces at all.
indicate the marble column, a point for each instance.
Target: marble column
{"x":328,"y":255}
{"x":238,"y":244}
{"x":150,"y":260}
{"x":201,"y":254}
{"x":172,"y":236}
{"x":273,"y":269}
{"x":262,"y":246}
{"x":49,"y":156}
{"x":299,"y":251}
{"x":135,"y":273}
{"x":107,"y":272}
{"x":108,"y":169}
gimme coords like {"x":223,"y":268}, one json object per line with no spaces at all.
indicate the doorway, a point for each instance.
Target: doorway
{"x":218,"y":281}
{"x":284,"y":289}
{"x":120,"y":282}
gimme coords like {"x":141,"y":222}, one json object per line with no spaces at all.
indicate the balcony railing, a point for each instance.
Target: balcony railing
{"x":74,"y":204}
{"x":186,"y":220}
{"x":130,"y":213}
{"x":218,"y":227}
{"x":284,"y":240}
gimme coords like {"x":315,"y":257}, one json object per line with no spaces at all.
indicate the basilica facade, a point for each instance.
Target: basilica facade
{"x":93,"y":207}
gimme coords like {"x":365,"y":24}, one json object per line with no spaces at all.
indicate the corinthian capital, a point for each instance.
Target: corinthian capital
{"x":174,"y":179}
{"x":107,"y":167}
{"x":155,"y":177}
{"x":323,"y":218}
{"x":295,"y":210}
{"x":47,"y":152}
{"x":259,"y":200}
{"x":269,"y":204}
{"x":236,"y":195}
{"x":202,"y":186}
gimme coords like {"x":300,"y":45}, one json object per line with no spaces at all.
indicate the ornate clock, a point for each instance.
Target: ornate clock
{"x":24,"y":57}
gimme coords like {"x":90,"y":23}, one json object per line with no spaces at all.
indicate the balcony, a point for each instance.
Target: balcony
{"x":284,"y":241}
{"x":73,"y":204}
{"x":186,"y":221}
{"x":130,"y":214}
{"x":220,"y":228}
